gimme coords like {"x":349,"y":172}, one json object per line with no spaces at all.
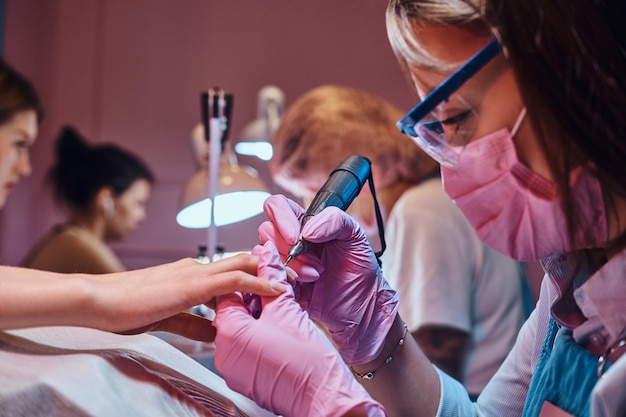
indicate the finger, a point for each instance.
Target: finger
{"x":270,"y":265}
{"x":272,"y":269}
{"x":233,"y":300}
{"x":231,"y":311}
{"x":227,"y":300}
{"x":292,"y":275}
{"x":228,"y":282}
{"x":188,"y":325}
{"x":279,"y":200}
{"x":242,"y":262}
{"x":284,"y":308}
{"x":268,"y":232}
{"x":332,"y":224}
{"x":307,"y":266}
{"x":285,"y":214}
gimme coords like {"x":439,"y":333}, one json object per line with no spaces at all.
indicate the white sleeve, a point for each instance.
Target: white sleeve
{"x":505,"y":394}
{"x":430,"y":260}
{"x":454,"y":400}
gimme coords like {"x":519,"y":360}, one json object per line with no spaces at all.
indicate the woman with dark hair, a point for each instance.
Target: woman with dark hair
{"x":522,"y":105}
{"x":105,"y":190}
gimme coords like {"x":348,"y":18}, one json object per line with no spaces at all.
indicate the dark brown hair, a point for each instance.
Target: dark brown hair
{"x":569,"y":58}
{"x":81,"y":170}
{"x":17,"y":94}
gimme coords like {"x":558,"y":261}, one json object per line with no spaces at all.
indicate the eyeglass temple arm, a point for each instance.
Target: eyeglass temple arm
{"x":449,"y":86}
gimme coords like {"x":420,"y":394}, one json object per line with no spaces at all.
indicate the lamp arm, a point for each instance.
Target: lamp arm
{"x":215,"y":146}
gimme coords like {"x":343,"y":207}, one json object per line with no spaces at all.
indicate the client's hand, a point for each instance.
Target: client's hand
{"x":282,"y":360}
{"x":339,"y":280}
{"x":154,"y":298}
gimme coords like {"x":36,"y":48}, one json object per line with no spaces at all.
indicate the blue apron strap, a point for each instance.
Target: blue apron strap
{"x":564,"y":376}
{"x":527,"y":294}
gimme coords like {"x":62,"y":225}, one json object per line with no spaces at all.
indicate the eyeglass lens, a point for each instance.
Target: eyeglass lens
{"x":444,"y":139}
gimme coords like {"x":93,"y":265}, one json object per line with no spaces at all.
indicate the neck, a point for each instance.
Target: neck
{"x":93,"y":224}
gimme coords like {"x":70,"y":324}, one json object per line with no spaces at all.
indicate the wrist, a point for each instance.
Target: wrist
{"x":370,"y":341}
{"x":394,"y":340}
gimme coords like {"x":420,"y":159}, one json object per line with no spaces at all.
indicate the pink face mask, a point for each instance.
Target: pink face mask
{"x":516,"y":211}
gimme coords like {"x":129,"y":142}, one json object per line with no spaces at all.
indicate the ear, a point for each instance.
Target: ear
{"x":105,"y":202}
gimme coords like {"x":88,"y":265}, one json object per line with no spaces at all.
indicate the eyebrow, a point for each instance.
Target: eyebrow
{"x":25,"y":136}
{"x":429,"y":87}
{"x":444,"y":90}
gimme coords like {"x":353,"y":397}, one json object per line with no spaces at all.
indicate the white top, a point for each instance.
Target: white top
{"x":75,"y":371}
{"x":446,"y":276}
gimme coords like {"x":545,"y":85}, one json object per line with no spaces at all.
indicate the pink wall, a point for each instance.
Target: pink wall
{"x":131,"y":71}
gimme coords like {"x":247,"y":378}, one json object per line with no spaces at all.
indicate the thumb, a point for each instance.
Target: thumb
{"x":270,"y":265}
{"x":231,"y":312}
{"x":271,"y":268}
{"x":285,"y":214}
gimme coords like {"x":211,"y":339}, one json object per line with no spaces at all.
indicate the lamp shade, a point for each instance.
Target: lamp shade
{"x":240,"y":195}
{"x":255,"y":139}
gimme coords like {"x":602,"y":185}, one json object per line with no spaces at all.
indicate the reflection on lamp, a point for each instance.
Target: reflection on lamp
{"x":256,"y":136}
{"x":262,"y":150}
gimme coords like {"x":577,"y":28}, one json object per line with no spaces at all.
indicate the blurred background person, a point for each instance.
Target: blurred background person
{"x":456,"y":293}
{"x":104,"y":189}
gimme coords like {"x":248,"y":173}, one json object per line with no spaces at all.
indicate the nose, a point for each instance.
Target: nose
{"x":141,"y":216}
{"x":23,"y":164}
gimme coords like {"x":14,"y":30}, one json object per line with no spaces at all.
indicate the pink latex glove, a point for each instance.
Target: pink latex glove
{"x":282,"y":360}
{"x":339,"y":281}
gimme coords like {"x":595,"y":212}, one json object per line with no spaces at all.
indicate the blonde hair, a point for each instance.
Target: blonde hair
{"x":404,"y":16}
{"x":330,"y":123}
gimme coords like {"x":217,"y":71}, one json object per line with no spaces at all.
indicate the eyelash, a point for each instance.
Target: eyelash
{"x":437,"y":125}
{"x":456,"y":119}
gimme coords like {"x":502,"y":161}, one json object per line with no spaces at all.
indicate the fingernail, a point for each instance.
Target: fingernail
{"x":291,"y":274}
{"x":278,"y":286}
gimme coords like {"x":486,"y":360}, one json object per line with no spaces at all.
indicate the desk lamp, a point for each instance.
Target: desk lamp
{"x":237,"y":190}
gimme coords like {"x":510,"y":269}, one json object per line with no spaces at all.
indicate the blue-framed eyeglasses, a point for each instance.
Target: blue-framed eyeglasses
{"x":444,"y":138}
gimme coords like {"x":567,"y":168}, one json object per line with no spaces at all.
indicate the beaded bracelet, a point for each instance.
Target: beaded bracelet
{"x":369,"y":375}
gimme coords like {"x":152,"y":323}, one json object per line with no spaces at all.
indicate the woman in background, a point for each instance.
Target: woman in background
{"x":105,"y":190}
